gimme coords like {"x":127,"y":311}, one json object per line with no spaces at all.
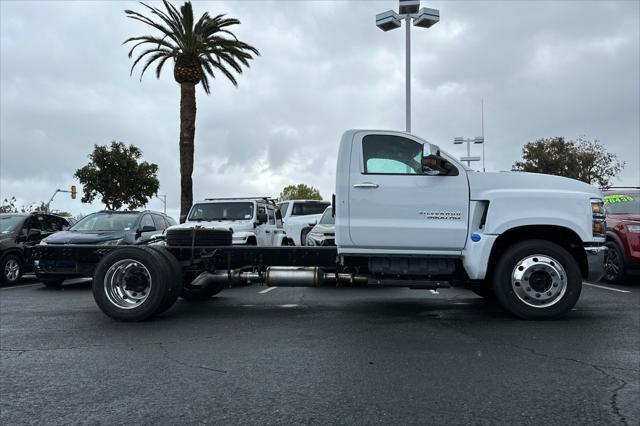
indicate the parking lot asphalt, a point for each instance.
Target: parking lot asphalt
{"x":254,"y":355}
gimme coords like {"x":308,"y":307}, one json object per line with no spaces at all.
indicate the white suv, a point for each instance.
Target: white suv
{"x":298,"y":215}
{"x":253,"y":221}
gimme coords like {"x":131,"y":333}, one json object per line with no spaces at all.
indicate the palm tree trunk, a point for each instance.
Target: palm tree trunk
{"x":187,"y":134}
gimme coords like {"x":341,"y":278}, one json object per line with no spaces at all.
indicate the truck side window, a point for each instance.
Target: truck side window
{"x":391,"y":155}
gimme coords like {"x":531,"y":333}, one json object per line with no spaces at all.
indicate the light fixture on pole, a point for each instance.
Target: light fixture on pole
{"x":390,"y":20}
{"x":469,"y":158}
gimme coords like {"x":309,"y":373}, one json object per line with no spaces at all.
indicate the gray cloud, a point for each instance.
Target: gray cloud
{"x":543,"y":68}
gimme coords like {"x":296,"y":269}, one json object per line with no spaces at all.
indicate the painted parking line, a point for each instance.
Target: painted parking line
{"x":606,"y":288}
{"x":267,"y":290}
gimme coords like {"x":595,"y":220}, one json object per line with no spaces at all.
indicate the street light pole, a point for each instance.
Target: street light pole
{"x":408,"y":71}
{"x":409,"y":10}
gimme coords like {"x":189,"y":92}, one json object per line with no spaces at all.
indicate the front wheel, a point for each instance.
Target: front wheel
{"x":614,"y":264}
{"x":11,"y":267}
{"x":537,"y":279}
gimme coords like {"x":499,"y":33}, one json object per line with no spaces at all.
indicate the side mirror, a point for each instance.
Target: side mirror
{"x":433,"y":164}
{"x":183,"y":218}
{"x":261,"y":217}
{"x":148,"y":228}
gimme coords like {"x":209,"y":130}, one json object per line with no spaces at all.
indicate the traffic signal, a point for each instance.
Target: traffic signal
{"x":74,"y":192}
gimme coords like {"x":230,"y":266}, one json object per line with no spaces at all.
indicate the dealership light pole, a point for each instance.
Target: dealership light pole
{"x":469,"y":158}
{"x":409,"y":10}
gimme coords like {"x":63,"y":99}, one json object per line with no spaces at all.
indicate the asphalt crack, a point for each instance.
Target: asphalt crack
{"x":613,"y":400}
{"x":177,"y":361}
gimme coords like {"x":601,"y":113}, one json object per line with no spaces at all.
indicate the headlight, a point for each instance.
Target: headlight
{"x":599,"y":224}
{"x":111,"y":242}
{"x":635,"y":229}
{"x":43,"y":243}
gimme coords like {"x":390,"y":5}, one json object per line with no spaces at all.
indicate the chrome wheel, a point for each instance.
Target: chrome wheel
{"x":127,"y":284}
{"x":11,"y":270}
{"x":539,"y":281}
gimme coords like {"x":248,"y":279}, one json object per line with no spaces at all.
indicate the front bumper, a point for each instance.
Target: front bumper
{"x":596,"y":257}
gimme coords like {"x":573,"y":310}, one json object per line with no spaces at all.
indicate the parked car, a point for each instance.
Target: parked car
{"x":298,"y":215}
{"x":18,"y":231}
{"x":253,"y":221}
{"x":622,"y":206}
{"x":324,"y":233}
{"x":100,"y":228}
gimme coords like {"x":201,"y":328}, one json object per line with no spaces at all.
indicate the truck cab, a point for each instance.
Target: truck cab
{"x":253,"y":221}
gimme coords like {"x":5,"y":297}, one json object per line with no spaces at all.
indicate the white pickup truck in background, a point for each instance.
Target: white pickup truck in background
{"x":298,"y":215}
{"x":253,"y":220}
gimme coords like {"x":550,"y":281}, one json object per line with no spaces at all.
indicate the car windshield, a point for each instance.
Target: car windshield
{"x":303,"y":209}
{"x":10,"y":223}
{"x":222,"y":211}
{"x":328,"y":218}
{"x":104,"y":221}
{"x":622,"y":203}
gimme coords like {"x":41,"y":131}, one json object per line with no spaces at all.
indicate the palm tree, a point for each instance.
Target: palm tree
{"x":199,"y":50}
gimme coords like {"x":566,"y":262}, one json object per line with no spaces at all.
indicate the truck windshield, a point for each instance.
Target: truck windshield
{"x":105,"y":221}
{"x":9,"y":223}
{"x":303,"y":209}
{"x":328,"y":218}
{"x":222,"y":211}
{"x":622,"y":203}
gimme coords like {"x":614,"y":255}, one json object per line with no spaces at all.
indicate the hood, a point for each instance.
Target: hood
{"x":483,"y":186}
{"x":323,"y":229}
{"x":626,"y":217}
{"x":83,"y":237}
{"x":236,"y":225}
{"x":306,"y":219}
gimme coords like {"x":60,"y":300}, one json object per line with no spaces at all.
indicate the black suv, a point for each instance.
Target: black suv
{"x":18,"y":231}
{"x":101,"y":228}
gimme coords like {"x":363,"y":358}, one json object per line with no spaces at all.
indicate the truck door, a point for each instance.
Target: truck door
{"x":392,"y":205}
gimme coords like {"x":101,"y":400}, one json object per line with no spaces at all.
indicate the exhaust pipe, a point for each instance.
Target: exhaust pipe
{"x":278,"y":276}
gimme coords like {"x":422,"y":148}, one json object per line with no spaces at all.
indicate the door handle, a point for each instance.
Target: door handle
{"x":366,"y":185}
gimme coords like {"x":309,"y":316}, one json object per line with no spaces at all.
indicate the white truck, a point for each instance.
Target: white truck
{"x":407,"y":215}
{"x":298,"y":215}
{"x":254,"y":221}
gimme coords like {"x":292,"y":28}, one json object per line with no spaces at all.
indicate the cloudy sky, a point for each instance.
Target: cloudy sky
{"x":553,"y":68}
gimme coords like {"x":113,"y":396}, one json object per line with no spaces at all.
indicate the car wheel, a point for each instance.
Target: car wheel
{"x":537,"y":279}
{"x":174,"y":272}
{"x":52,"y":282}
{"x":11,"y":267}
{"x":614,"y":264}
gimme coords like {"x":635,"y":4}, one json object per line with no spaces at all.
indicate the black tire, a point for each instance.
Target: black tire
{"x":191,"y":292}
{"x":174,"y":272}
{"x":152,"y":263}
{"x":614,"y":264}
{"x":201,"y":237}
{"x":565,"y":282}
{"x":8,"y":265}
{"x":51,"y":282}
{"x":484,"y":290}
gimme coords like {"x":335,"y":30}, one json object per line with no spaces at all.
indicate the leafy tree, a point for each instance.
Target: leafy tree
{"x":115,"y":174}
{"x":300,"y":192}
{"x":8,"y":205}
{"x":199,"y":50}
{"x":582,"y":159}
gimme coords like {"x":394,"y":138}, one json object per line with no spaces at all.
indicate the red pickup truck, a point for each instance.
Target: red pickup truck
{"x":623,"y":233}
